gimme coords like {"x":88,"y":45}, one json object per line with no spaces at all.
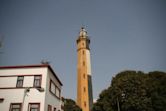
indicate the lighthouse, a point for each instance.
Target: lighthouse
{"x":84,"y":78}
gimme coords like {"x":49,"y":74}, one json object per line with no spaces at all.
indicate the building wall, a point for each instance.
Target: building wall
{"x":50,"y":98}
{"x":11,"y":94}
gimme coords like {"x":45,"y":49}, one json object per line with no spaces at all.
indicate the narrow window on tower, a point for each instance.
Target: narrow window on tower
{"x":84,"y":103}
{"x":82,"y":44}
{"x":83,"y":63}
{"x":84,"y":89}
{"x":84,"y":76}
{"x":83,"y":52}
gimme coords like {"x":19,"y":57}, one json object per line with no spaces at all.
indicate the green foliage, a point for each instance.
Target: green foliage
{"x":157,"y":90}
{"x":70,"y":105}
{"x":134,"y":91}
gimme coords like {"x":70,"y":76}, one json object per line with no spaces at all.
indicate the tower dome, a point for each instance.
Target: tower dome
{"x":83,"y":33}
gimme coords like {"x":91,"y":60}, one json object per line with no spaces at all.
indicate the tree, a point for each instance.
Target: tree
{"x":157,"y":90}
{"x":134,"y":91}
{"x":70,"y":105}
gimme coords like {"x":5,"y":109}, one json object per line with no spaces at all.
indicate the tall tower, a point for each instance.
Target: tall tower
{"x":84,"y":82}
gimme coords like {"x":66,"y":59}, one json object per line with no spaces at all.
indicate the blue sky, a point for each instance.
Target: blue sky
{"x":125,"y":35}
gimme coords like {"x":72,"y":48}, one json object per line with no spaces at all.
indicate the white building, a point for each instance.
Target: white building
{"x":30,"y":88}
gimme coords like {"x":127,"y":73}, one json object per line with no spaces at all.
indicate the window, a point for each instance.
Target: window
{"x":20,"y":81}
{"x":34,"y":106}
{"x":54,"y":89}
{"x":49,"y":108}
{"x":37,"y":81}
{"x":83,"y":52}
{"x":83,"y":63}
{"x":85,"y":104}
{"x":82,"y":44}
{"x":15,"y":107}
{"x":84,"y":89}
{"x":84,"y":76}
{"x":57,"y":92}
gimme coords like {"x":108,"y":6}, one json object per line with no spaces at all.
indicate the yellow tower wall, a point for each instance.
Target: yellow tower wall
{"x":84,"y":85}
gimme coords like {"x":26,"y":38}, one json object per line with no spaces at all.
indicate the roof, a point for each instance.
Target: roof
{"x":33,"y":66}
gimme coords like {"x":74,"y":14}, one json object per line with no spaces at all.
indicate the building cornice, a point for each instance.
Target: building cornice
{"x":32,"y":66}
